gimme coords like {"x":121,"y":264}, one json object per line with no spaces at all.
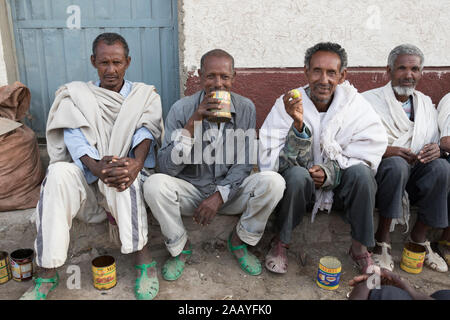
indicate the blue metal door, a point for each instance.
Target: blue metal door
{"x":54,"y":43}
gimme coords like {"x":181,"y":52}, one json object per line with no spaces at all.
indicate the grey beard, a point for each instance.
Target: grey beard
{"x":403,"y":91}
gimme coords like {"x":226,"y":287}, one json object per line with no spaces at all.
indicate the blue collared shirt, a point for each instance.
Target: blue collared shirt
{"x":78,"y":145}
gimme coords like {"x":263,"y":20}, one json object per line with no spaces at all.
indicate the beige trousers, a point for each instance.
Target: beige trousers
{"x":65,"y":195}
{"x":171,"y":198}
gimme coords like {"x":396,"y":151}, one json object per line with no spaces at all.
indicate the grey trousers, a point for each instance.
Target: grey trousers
{"x":355,"y":195}
{"x":428,"y":187}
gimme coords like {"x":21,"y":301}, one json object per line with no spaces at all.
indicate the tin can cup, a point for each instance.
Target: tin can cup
{"x":224,"y":113}
{"x":104,"y":272}
{"x":5,"y":267}
{"x":413,"y":257}
{"x":329,"y":273}
{"x":22,"y":264}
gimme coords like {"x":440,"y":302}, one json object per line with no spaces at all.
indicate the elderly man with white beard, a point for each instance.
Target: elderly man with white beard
{"x":411,"y":170}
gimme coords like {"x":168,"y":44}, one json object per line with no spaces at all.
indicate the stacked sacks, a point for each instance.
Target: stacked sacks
{"x":21,"y":172}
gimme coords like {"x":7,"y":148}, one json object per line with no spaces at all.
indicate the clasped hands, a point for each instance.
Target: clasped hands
{"x":429,"y":152}
{"x":118,"y":173}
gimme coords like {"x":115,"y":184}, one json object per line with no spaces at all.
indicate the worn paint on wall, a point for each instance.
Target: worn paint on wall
{"x":271,"y":34}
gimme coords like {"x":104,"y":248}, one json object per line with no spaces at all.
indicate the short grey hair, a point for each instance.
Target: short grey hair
{"x":408,"y":49}
{"x":330,"y":47}
{"x":216,"y":53}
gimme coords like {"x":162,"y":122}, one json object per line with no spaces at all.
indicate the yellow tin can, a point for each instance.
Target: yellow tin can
{"x":329,"y":273}
{"x":104,"y":272}
{"x":224,"y":113}
{"x":413,"y":257}
{"x":5,"y":267}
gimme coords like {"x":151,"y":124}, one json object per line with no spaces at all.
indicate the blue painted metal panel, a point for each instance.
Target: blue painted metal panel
{"x":50,"y":54}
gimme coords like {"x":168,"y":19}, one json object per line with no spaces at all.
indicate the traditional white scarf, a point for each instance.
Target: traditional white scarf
{"x":350,"y":133}
{"x":444,"y":116}
{"x":403,"y":132}
{"x":106,"y":118}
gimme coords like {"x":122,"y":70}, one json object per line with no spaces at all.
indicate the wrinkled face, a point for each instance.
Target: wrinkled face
{"x":406,"y":74}
{"x":324,"y":75}
{"x":217,"y":74}
{"x":111,"y":64}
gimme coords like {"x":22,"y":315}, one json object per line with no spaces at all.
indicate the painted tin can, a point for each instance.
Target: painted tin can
{"x":5,"y":267}
{"x":329,"y":273}
{"x":413,"y":257}
{"x":22,"y":264}
{"x":104,"y":272}
{"x":223,"y":114}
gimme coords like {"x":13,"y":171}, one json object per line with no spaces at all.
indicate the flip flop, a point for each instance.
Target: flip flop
{"x":248,"y":262}
{"x":174,"y":267}
{"x":35,"y":294}
{"x":146,"y":288}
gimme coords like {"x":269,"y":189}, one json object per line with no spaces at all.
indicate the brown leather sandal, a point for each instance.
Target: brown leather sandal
{"x":363,"y":262}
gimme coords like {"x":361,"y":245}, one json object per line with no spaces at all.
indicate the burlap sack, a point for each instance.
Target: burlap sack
{"x":21,"y":171}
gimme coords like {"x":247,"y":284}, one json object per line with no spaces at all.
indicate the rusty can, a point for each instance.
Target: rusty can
{"x":5,"y":267}
{"x":22,"y":264}
{"x":224,"y":113}
{"x":104,"y":272}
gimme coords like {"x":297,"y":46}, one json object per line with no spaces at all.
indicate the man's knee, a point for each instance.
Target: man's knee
{"x":154,"y":186}
{"x":63,"y":172}
{"x":297,"y":178}
{"x":273,"y":182}
{"x":395,"y":168}
{"x":361,"y":176}
{"x":439,"y":169}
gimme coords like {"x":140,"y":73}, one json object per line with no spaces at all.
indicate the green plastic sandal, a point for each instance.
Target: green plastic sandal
{"x":174,"y":267}
{"x":35,"y":294}
{"x":146,"y":288}
{"x":248,"y":262}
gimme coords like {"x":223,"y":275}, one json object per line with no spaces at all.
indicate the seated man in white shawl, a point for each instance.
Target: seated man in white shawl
{"x":411,"y":169}
{"x":327,"y":145}
{"x":444,"y":128}
{"x":101,"y":138}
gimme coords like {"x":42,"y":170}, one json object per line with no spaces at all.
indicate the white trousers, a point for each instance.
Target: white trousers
{"x":65,"y":195}
{"x":171,"y":198}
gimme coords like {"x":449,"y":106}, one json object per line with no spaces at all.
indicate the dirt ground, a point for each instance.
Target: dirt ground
{"x":212,"y":273}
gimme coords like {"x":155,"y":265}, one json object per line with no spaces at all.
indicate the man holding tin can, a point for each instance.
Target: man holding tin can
{"x":202,"y":174}
{"x":327,"y":144}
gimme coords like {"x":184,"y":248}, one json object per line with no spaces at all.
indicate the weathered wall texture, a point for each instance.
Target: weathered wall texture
{"x":268,"y":40}
{"x":270,"y":34}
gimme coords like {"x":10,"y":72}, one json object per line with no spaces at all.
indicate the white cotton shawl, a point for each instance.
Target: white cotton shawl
{"x":106,"y":118}
{"x":403,"y":132}
{"x":444,"y":116}
{"x":350,"y":133}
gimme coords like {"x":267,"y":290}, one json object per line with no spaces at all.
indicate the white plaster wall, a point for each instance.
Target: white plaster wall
{"x":3,"y":76}
{"x":276,"y":33}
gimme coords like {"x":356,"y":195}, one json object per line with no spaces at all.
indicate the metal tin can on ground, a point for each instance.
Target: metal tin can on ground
{"x":329,"y":273}
{"x":413,"y":257}
{"x":104,"y":272}
{"x":22,"y":264}
{"x":5,"y":267}
{"x":224,"y":113}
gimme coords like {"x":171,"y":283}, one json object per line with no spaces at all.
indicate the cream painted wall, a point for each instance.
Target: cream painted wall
{"x":268,"y":33}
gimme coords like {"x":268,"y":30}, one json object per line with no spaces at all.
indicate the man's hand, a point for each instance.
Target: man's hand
{"x":208,"y":208}
{"x":121,"y":172}
{"x":203,"y":111}
{"x":318,"y":175}
{"x":429,"y":153}
{"x":102,"y":167}
{"x":405,"y":153}
{"x":294,"y":108}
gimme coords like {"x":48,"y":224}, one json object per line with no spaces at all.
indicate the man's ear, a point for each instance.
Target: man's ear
{"x":128,"y":61}
{"x":199,"y":71}
{"x":389,"y":71}
{"x":343,"y":76}
{"x":93,"y":61}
